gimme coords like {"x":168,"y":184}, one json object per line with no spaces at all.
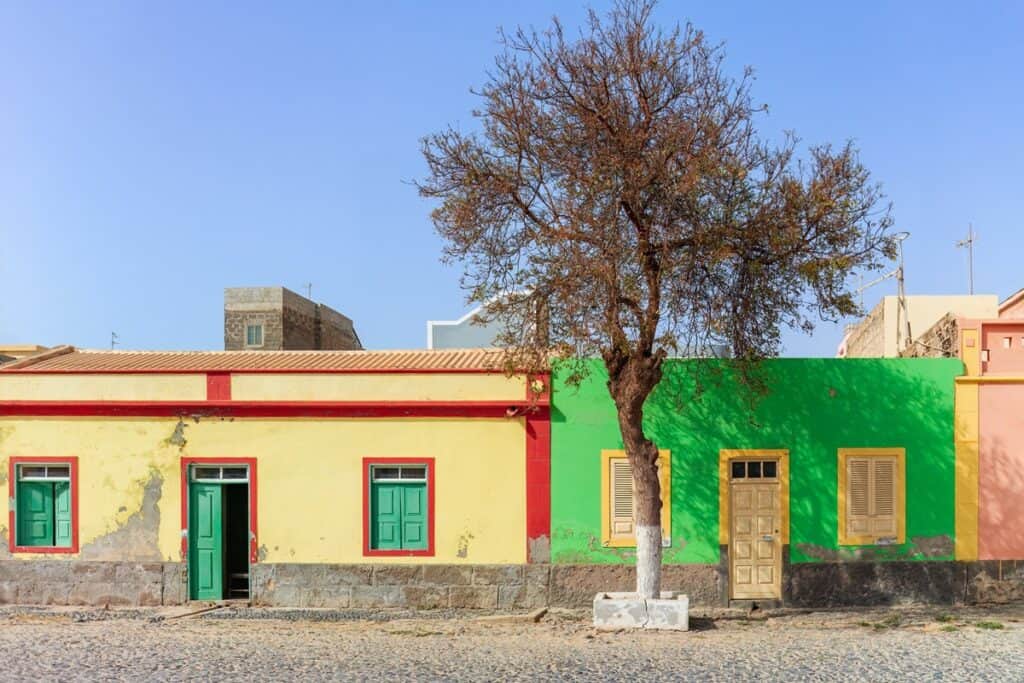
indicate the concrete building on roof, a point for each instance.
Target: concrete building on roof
{"x":10,"y":352}
{"x":882,"y":333}
{"x":278,"y":319}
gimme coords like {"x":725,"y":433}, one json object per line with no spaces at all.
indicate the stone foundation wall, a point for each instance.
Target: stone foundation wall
{"x":463,"y":586}
{"x":506,"y":587}
{"x":64,"y":582}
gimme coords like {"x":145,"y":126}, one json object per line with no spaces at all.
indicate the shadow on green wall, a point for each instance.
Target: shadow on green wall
{"x":812,"y":408}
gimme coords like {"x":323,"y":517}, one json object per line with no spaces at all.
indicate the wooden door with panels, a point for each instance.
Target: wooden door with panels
{"x":755,"y":552}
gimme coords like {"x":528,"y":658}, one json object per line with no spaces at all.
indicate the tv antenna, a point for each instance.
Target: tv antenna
{"x":969,"y":244}
{"x":902,"y":317}
{"x":113,"y":340}
{"x":309,"y":290}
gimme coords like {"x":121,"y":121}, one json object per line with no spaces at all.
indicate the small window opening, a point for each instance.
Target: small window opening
{"x":44,"y":472}
{"x":398,"y":514}
{"x":216,"y":473}
{"x":404,"y":473}
{"x":754,"y":469}
{"x":42,"y":505}
{"x":254,"y":334}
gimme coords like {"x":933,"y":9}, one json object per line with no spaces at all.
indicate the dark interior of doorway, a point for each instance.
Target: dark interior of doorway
{"x":236,"y":541}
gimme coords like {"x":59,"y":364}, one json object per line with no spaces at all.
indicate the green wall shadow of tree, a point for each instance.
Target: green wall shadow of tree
{"x":812,"y":408}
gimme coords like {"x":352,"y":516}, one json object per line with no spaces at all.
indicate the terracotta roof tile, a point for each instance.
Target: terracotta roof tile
{"x":73,"y":360}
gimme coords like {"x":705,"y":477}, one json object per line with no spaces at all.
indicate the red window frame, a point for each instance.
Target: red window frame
{"x":253,"y":526}
{"x":368,"y":463}
{"x":12,"y":486}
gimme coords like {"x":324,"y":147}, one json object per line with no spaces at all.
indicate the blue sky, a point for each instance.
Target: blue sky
{"x":152,"y":155}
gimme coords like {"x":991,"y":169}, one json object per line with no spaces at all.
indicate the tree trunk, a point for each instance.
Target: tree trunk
{"x":630,"y":388}
{"x":643,"y":456}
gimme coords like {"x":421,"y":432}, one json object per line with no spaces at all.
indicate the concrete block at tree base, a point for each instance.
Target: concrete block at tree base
{"x":671,"y":612}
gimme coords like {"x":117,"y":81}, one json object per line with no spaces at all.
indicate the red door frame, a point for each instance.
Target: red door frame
{"x":186,"y":463}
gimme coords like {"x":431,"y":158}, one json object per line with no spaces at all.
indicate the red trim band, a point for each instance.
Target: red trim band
{"x":28,"y":370}
{"x":370,"y":552}
{"x":538,"y":487}
{"x":475,"y":409}
{"x":218,"y":386}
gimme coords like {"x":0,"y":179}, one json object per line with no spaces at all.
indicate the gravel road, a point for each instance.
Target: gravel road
{"x":143,"y":645}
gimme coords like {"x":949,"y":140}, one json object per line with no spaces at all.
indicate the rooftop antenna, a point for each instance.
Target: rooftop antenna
{"x":902,"y":318}
{"x":969,"y":243}
{"x":902,"y":293}
{"x":113,"y":340}
{"x":309,"y":290}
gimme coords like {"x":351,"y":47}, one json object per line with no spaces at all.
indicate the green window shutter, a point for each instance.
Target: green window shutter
{"x":62,"y":514}
{"x":35,"y":513}
{"x":386,"y":517}
{"x":414,"y":517}
{"x":398,"y":516}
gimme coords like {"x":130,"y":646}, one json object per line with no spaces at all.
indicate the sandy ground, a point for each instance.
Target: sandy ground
{"x":243,"y":644}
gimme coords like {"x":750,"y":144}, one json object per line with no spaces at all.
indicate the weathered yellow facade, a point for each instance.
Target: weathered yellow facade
{"x":331,"y":479}
{"x":309,"y":479}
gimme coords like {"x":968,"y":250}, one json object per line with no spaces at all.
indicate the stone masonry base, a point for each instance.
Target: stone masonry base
{"x":505,"y":587}
{"x":79,"y":582}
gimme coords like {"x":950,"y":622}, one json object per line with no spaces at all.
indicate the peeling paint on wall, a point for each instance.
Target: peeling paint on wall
{"x":921,"y":547}
{"x":138,"y":537}
{"x":177,"y":437}
{"x":463,"y":545}
{"x":539,"y":549}
{"x":5,"y":548}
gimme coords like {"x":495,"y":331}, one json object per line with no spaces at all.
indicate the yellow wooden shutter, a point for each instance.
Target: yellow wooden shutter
{"x":883,"y":499}
{"x":621,"y":492}
{"x":858,"y":475}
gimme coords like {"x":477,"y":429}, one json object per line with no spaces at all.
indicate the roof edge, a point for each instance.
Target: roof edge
{"x":1011,"y":300}
{"x":35,"y":358}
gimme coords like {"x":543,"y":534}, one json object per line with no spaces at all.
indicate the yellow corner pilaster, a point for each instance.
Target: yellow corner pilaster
{"x":966,"y":453}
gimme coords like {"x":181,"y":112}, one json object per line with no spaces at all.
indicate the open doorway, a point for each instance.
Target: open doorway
{"x":218,"y":532}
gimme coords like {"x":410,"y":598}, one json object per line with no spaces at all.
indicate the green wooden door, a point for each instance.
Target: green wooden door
{"x":399,"y":516}
{"x":206,"y":542}
{"x":35,"y":513}
{"x":62,"y":514}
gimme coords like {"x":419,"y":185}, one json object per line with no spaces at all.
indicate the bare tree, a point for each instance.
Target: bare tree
{"x":618,"y":202}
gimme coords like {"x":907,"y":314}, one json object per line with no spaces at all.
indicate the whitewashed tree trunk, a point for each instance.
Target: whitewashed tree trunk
{"x":648,"y":561}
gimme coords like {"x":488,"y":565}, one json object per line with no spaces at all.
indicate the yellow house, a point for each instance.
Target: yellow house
{"x":314,"y":478}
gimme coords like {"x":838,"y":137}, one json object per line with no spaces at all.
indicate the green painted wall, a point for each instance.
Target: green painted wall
{"x":813,"y":408}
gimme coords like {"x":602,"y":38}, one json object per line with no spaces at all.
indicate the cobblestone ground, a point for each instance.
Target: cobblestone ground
{"x":147,"y":645}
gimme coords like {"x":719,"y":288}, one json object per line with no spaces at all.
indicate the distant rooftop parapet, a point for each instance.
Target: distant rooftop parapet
{"x":278,"y":319}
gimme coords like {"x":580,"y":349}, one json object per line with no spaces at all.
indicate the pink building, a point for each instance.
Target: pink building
{"x":990,"y":424}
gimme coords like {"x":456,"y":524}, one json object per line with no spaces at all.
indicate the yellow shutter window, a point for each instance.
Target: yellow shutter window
{"x":883,"y":512}
{"x":858,"y":493}
{"x":622,"y":498}
{"x":618,"y":500}
{"x":871,"y":506}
